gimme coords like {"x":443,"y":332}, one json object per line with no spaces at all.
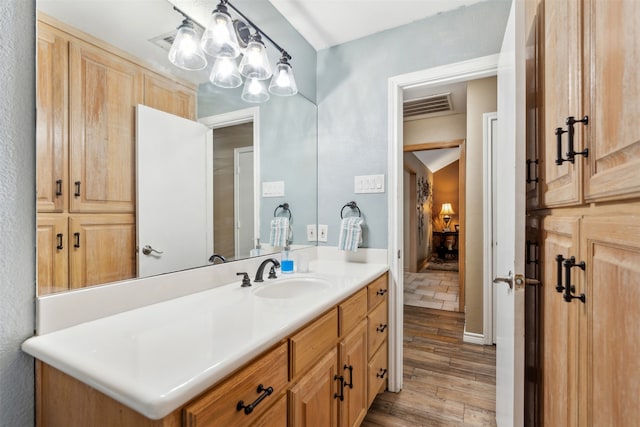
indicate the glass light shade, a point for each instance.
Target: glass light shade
{"x":255,"y":91}
{"x":283,"y":83}
{"x":255,"y":63}
{"x":219,"y":39}
{"x":225,"y":73}
{"x":185,"y":51}
{"x":446,"y":210}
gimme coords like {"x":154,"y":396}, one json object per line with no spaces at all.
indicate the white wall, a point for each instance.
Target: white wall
{"x":17,"y":210}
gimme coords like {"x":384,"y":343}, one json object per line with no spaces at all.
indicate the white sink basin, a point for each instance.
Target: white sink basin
{"x":292,"y":288}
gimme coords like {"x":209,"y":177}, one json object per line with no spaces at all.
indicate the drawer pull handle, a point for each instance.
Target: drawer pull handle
{"x":559,"y":260}
{"x":341,"y":394}
{"x":58,"y":187}
{"x":382,"y":373}
{"x":77,"y":185}
{"x":249,"y":408}
{"x":381,"y":292}
{"x":569,"y":289}
{"x":350,"y":383}
{"x":59,"y":245}
{"x":76,"y":238}
{"x":381,"y":328}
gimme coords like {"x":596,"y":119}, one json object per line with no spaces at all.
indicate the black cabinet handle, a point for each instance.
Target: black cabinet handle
{"x":381,"y":328}
{"x":340,"y":395}
{"x":250,"y":407}
{"x":569,"y":288}
{"x":559,"y":261}
{"x":77,"y":185}
{"x":76,"y":238}
{"x":58,"y":187}
{"x":571,"y":153}
{"x":350,"y":368}
{"x":381,"y":292}
{"x":559,"y":159}
{"x":529,"y":178}
{"x":59,"y":241}
{"x":381,"y":373}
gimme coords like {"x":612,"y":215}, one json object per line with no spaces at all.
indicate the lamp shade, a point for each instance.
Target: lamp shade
{"x":283,"y":83}
{"x":254,"y":91}
{"x":225,"y":73}
{"x":219,"y":39}
{"x":446,"y":210}
{"x":255,"y":63}
{"x":185,"y":51}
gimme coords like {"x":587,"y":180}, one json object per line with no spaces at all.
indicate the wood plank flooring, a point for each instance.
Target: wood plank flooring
{"x":446,"y":382}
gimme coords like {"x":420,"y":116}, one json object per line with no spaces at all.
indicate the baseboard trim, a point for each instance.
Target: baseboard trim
{"x":473,"y":338}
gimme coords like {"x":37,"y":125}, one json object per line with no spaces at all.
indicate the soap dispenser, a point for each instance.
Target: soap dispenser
{"x":286,"y":263}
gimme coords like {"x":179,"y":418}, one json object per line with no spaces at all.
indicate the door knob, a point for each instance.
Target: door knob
{"x":148,"y":250}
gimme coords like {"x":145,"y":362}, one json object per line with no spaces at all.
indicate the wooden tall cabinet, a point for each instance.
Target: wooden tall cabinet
{"x":87,"y":92}
{"x":589,"y":177}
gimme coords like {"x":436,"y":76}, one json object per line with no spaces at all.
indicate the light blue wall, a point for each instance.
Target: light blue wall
{"x":17,"y":210}
{"x":352,"y":101}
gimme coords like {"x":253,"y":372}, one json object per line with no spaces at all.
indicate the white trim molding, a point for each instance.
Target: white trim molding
{"x":488,"y":120}
{"x":473,"y":338}
{"x":485,"y":66}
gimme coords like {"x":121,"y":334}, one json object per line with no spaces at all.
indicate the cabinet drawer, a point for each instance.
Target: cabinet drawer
{"x":378,"y":371}
{"x":378,"y":328}
{"x":352,"y":311}
{"x":313,"y":341}
{"x":218,"y":407}
{"x":276,"y":416}
{"x":377,"y":291}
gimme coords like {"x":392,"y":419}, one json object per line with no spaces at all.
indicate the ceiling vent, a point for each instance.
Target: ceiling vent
{"x":429,"y":105}
{"x":165,"y":41}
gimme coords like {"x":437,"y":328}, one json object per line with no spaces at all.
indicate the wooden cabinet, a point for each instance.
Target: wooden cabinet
{"x":86,"y":96}
{"x":168,"y":96}
{"x":52,"y":99}
{"x":377,"y":343}
{"x":105,"y":91}
{"x":590,"y":209}
{"x":353,"y":367}
{"x":256,"y":386}
{"x":312,"y":342}
{"x":53,"y":255}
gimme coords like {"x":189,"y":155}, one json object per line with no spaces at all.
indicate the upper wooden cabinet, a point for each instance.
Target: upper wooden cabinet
{"x":52,"y":120}
{"x":104,"y":93}
{"x":612,"y":92}
{"x":591,"y":70}
{"x":168,"y":96}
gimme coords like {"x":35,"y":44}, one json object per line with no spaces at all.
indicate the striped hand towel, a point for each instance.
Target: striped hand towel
{"x":279,"y":231}
{"x":350,"y":233}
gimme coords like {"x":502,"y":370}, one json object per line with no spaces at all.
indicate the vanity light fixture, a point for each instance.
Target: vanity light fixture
{"x":225,"y":39}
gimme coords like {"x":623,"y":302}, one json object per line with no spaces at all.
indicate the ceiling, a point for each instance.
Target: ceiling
{"x":326,"y":23}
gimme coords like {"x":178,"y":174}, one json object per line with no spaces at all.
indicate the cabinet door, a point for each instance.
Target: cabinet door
{"x":533,"y":84}
{"x":170,"y":97}
{"x":353,"y":367}
{"x":102,"y":249}
{"x":313,"y":401}
{"x":51,"y":120}
{"x":610,"y":338}
{"x":612,"y":37}
{"x":562,"y":184}
{"x":104,"y":90}
{"x":52,"y":245}
{"x":559,"y":327}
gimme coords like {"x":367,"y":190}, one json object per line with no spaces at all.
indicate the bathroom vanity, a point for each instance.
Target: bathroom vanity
{"x":289,"y":351}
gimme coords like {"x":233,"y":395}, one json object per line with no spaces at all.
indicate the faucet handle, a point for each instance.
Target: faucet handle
{"x":272,"y":273}
{"x":245,"y":280}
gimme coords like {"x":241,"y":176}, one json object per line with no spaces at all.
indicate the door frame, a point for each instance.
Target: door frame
{"x":236,"y":195}
{"x":238,"y":117}
{"x":486,"y":66}
{"x":488,"y":314}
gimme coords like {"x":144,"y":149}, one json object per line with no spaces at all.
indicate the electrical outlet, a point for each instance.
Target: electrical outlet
{"x":323,"y":231}
{"x":312,"y":233}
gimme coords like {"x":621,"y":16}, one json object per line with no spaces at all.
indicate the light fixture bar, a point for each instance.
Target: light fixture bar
{"x":255,"y":27}
{"x":196,"y":23}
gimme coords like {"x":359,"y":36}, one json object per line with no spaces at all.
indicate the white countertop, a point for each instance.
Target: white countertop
{"x":156,"y":358}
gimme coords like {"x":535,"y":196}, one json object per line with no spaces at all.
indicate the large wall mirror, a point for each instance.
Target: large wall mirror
{"x":117,"y":202}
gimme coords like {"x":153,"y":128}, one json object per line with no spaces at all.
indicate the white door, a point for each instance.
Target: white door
{"x":510,"y":228}
{"x":174,"y":193}
{"x":243,"y":201}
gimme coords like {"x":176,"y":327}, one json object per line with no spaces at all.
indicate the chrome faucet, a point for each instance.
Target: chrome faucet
{"x":272,"y":271}
{"x":213,"y":257}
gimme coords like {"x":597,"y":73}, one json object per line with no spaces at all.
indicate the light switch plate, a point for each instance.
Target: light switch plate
{"x":323,"y":231}
{"x":369,"y":184}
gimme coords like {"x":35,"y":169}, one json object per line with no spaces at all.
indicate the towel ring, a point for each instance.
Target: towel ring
{"x":351,"y":205}
{"x":284,"y":207}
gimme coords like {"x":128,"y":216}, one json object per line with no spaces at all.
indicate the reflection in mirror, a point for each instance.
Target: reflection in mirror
{"x":97,"y":61}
